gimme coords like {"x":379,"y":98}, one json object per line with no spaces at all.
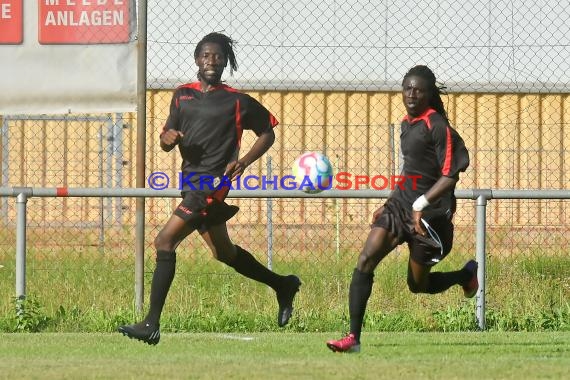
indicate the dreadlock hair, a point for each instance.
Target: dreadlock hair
{"x":436,"y":89}
{"x":225,"y":42}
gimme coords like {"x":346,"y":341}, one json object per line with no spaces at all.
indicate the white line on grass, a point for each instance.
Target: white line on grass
{"x":236,"y":337}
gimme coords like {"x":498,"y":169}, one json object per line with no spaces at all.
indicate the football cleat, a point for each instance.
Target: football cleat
{"x":285,"y":298}
{"x":472,"y":286}
{"x":142,"y":331}
{"x":347,"y":344}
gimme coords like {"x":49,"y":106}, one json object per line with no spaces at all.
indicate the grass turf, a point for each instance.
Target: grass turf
{"x":471,"y":355}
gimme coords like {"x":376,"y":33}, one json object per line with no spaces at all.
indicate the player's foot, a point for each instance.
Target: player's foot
{"x":347,"y":344}
{"x":142,"y":331}
{"x":285,"y":297}
{"x":472,"y":286}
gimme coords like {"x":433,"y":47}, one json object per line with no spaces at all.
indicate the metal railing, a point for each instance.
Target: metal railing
{"x":481,"y":196}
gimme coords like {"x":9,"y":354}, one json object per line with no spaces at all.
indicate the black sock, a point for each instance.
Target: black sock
{"x":441,"y":281}
{"x":161,"y":280}
{"x":360,"y":290}
{"x":248,"y":266}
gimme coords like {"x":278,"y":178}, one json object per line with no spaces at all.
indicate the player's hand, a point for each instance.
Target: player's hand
{"x":235,"y":169}
{"x":171,"y":137}
{"x":376,"y":214}
{"x":418,"y":225}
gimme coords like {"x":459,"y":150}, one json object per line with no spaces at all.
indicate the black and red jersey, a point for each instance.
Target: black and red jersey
{"x":212,"y":124}
{"x":431,"y":148}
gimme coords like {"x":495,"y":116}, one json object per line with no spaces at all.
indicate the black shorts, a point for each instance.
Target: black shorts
{"x":203,"y":209}
{"x":426,"y":250}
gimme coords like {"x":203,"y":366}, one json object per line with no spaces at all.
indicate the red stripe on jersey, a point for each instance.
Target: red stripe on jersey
{"x":272,"y":120}
{"x":448,"y":153}
{"x":239,"y":127}
{"x":198,"y":86}
{"x":228,"y":88}
{"x":424,"y":116}
{"x":193,"y":85}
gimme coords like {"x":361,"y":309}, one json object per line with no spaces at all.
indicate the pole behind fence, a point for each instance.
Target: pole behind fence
{"x":480,"y":240}
{"x":140,"y":153}
{"x":21,"y":201}
{"x":269,"y":220}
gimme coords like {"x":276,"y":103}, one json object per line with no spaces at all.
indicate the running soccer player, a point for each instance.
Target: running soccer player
{"x":419,"y":215}
{"x":206,"y":121}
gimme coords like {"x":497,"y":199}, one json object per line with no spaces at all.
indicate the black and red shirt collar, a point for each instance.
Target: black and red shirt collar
{"x":424,"y":116}
{"x":198,"y":86}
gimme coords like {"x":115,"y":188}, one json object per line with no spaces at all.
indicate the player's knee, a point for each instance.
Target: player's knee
{"x":223,"y":258}
{"x":162,"y":243}
{"x":225,"y":255}
{"x":226,"y":261}
{"x":414,"y":286}
{"x":368,"y":261}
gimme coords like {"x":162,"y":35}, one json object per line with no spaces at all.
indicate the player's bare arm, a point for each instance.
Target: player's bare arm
{"x":376,"y":214}
{"x":261,"y":145}
{"x":442,"y":186}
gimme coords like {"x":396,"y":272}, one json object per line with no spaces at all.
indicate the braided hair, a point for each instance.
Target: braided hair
{"x":226,"y":43}
{"x":436,"y":89}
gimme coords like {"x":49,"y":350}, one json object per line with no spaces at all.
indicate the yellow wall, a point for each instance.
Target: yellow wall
{"x":516,"y":141}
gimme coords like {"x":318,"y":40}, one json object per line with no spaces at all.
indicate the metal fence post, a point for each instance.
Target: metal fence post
{"x":140,"y":152}
{"x":21,"y":201}
{"x":4,"y":136}
{"x":118,"y":126}
{"x":269,"y":220}
{"x":480,"y":256}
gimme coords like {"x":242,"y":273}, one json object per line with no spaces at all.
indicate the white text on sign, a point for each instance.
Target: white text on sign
{"x":84,"y":2}
{"x":84,"y":18}
{"x":6,"y":11}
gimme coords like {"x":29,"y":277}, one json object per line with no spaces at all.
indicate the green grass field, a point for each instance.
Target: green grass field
{"x":219,"y":325}
{"x":473,"y":355}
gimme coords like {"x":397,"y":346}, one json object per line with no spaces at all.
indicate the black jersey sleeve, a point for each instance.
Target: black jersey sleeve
{"x":173,"y":120}
{"x":255,"y":116}
{"x":450,"y":148}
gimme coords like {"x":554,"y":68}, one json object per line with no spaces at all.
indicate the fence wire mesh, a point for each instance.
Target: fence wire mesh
{"x":330,"y":72}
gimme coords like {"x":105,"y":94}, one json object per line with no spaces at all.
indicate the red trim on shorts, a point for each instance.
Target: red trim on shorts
{"x":219,"y":195}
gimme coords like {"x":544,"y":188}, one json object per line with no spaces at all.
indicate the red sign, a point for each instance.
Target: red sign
{"x":11,"y":22}
{"x":84,"y":21}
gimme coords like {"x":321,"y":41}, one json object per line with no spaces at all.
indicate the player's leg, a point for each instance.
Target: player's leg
{"x":166,"y":242}
{"x":419,"y":278}
{"x":379,"y":243}
{"x":422,"y":280}
{"x":423,"y":258}
{"x":244,"y":263}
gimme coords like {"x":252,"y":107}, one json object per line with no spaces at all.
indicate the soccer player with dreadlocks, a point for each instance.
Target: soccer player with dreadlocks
{"x":206,"y":121}
{"x":419,"y":212}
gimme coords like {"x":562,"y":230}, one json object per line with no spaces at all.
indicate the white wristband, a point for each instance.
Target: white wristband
{"x":420,"y":203}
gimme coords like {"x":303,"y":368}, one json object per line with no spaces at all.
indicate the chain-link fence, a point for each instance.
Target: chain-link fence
{"x":330,"y":72}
